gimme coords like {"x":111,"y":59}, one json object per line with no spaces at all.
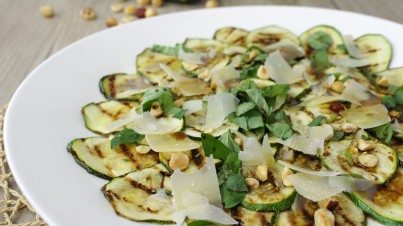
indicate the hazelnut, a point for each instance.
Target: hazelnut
{"x":286,"y":172}
{"x":252,"y":183}
{"x":262,"y":172}
{"x":156,"y":110}
{"x":337,"y":86}
{"x":143,"y":149}
{"x":368,"y":160}
{"x":324,"y":217}
{"x":143,"y":2}
{"x":127,"y":19}
{"x":47,"y":11}
{"x":211,"y":3}
{"x":116,"y":8}
{"x":111,"y":21}
{"x":130,"y":10}
{"x":150,"y":12}
{"x":88,"y":13}
{"x":262,"y":73}
{"x":366,"y":145}
{"x":157,"y":3}
{"x":382,"y":82}
{"x":179,"y":160}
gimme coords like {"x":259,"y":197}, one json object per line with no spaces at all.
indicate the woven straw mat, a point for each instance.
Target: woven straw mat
{"x":14,"y":208}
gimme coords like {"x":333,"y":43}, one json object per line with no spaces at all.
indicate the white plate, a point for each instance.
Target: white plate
{"x":44,"y":114}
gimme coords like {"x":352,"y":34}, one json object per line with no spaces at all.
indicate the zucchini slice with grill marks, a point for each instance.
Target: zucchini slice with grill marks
{"x":248,"y":217}
{"x":393,"y":76}
{"x":131,"y":196}
{"x":268,"y":35}
{"x":95,"y":155}
{"x":98,"y":116}
{"x":331,"y":31}
{"x":345,"y":211}
{"x":334,"y":156}
{"x":271,"y":195}
{"x":218,"y":62}
{"x":204,"y":45}
{"x":147,"y":64}
{"x":231,"y":35}
{"x":302,"y":216}
{"x":385,"y":204}
{"x":378,"y":50}
{"x":113,"y":86}
{"x":397,"y":145}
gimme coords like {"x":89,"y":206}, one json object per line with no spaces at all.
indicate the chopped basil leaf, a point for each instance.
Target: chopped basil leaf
{"x":399,"y":95}
{"x":346,"y":78}
{"x":383,"y":133}
{"x":338,"y":135}
{"x":349,"y":157}
{"x":254,"y":119}
{"x":126,"y":136}
{"x":342,"y":47}
{"x":320,"y":40}
{"x":241,"y":121}
{"x":165,"y":98}
{"x":320,"y":60}
{"x":249,"y":71}
{"x":214,"y":147}
{"x":236,"y":182}
{"x":244,"y":107}
{"x":275,"y":90}
{"x":365,"y":137}
{"x":245,"y":85}
{"x":227,"y":140}
{"x":256,"y":96}
{"x":167,"y":50}
{"x":246,"y":54}
{"x":389,"y":101}
{"x":280,"y":129}
{"x":317,"y":121}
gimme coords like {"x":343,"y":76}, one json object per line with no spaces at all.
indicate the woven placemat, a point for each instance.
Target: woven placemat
{"x":14,"y":208}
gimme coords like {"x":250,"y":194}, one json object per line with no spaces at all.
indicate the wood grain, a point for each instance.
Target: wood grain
{"x":27,"y":39}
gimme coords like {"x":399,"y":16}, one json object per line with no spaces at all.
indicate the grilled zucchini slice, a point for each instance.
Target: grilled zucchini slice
{"x":397,"y":145}
{"x":271,"y":195}
{"x":378,"y":50}
{"x":147,"y":64}
{"x":130,"y":195}
{"x":95,"y":155}
{"x":302,"y":216}
{"x":394,"y":76}
{"x":231,"y":36}
{"x":113,"y":86}
{"x":203,"y":45}
{"x":386,"y":204}
{"x":334,"y":156}
{"x":331,"y":31}
{"x":248,"y":217}
{"x":98,"y":116}
{"x":268,"y":35}
{"x":216,"y":63}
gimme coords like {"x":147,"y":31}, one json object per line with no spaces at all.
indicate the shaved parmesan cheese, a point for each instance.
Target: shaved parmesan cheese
{"x":175,"y":76}
{"x":313,"y":187}
{"x":352,"y":48}
{"x":192,"y":106}
{"x":148,"y":124}
{"x":160,"y":196}
{"x":254,"y":153}
{"x":130,"y":92}
{"x":203,"y":182}
{"x":171,"y":142}
{"x":218,"y":107}
{"x":367,"y":117}
{"x":198,"y":208}
{"x":354,"y":92}
{"x":310,"y":140}
{"x":308,"y":171}
{"x":124,"y":120}
{"x":319,"y":100}
{"x":393,"y":77}
{"x":288,"y":49}
{"x":224,"y":74}
{"x":196,"y":58}
{"x":349,"y":62}
{"x":279,"y":70}
{"x":322,"y":88}
{"x":351,"y":183}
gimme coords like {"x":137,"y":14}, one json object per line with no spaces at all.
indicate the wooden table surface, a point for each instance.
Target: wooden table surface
{"x":27,"y":39}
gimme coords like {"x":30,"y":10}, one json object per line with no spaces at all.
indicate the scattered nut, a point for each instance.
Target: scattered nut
{"x":337,"y":86}
{"x":127,"y":19}
{"x":394,"y":114}
{"x":262,"y":172}
{"x":262,"y":73}
{"x":150,"y":12}
{"x":286,"y":172}
{"x":324,"y":217}
{"x":179,"y":160}
{"x":252,"y":183}
{"x":143,"y":149}
{"x":382,"y":82}
{"x":349,"y":127}
{"x":88,"y":13}
{"x":368,"y":160}
{"x":47,"y":11}
{"x":130,"y":10}
{"x":330,"y":203}
{"x":366,"y":145}
{"x":167,"y":155}
{"x":140,"y":12}
{"x":116,"y":7}
{"x":157,"y":3}
{"x":354,"y":150}
{"x":238,"y":141}
{"x":287,"y":154}
{"x":111,"y":21}
{"x":211,"y":3}
{"x":156,"y":110}
{"x":179,"y":102}
{"x":143,"y":2}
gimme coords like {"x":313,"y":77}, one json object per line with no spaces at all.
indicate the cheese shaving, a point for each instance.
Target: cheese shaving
{"x":148,"y":124}
{"x":279,"y":70}
{"x":218,"y":107}
{"x":352,"y":48}
{"x":196,"y":58}
{"x":349,"y":62}
{"x":367,"y":117}
{"x":354,"y":92}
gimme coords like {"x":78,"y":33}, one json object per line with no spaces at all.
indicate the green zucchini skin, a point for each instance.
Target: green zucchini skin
{"x":129,"y":196}
{"x":278,"y":206}
{"x":98,"y":116}
{"x":382,"y":212}
{"x":96,"y":157}
{"x":331,"y":31}
{"x":269,"y":35}
{"x":248,"y":217}
{"x":379,"y":52}
{"x":111,"y":85}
